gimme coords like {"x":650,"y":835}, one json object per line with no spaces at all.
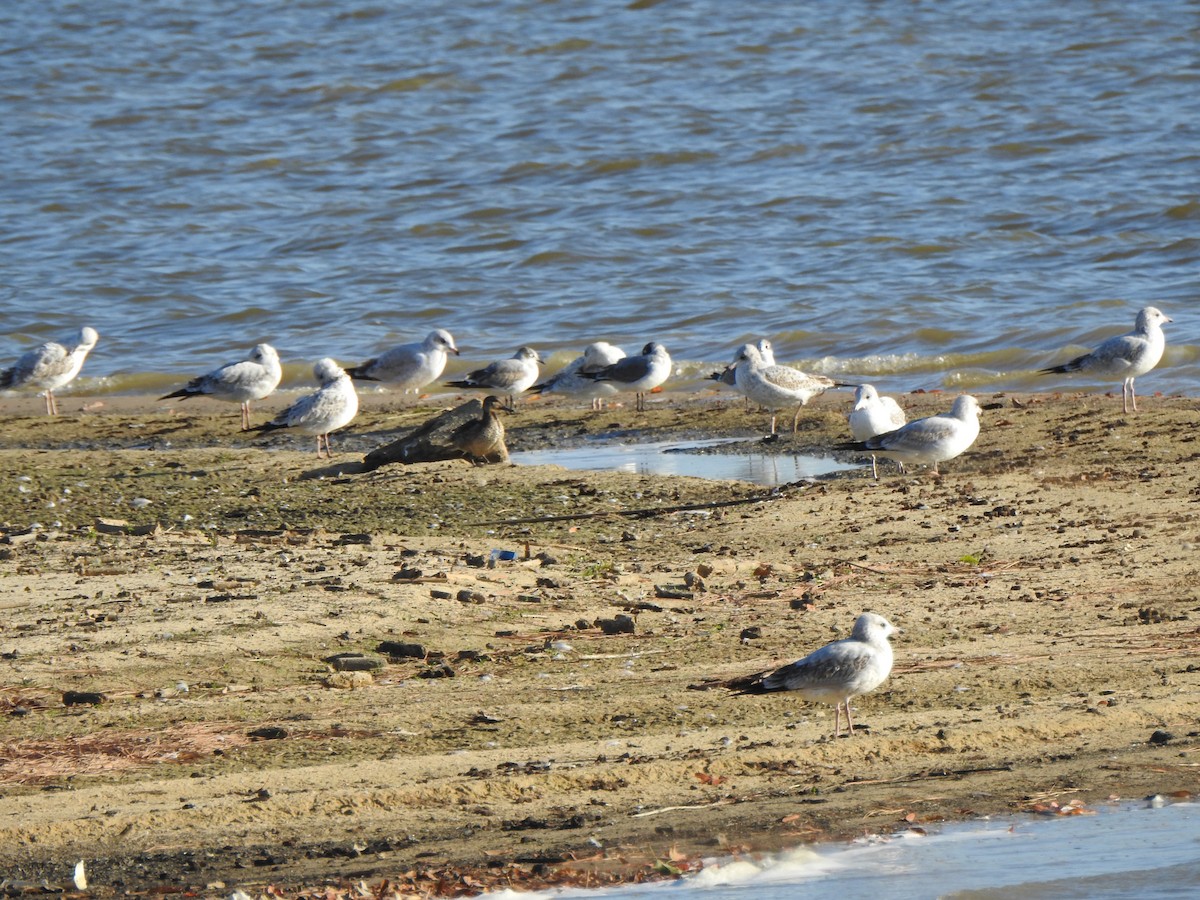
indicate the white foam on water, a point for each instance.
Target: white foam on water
{"x":1121,"y":853}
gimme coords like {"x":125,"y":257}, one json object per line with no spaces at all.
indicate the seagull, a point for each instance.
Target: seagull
{"x":728,"y":375}
{"x":409,"y":366}
{"x":777,"y":386}
{"x":331,"y":407}
{"x":571,"y":380}
{"x":512,"y":376}
{"x":637,"y":373}
{"x":1126,"y":356}
{"x":872,"y":416}
{"x":253,"y":378}
{"x":930,"y":440}
{"x":49,"y":366}
{"x":837,"y":672}
{"x":482,"y":440}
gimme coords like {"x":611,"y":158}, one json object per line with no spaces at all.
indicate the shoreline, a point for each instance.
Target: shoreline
{"x":1044,"y":587}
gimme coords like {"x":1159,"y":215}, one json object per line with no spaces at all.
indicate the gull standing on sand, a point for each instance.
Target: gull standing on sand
{"x":49,"y":367}
{"x":777,"y":386}
{"x":933,"y":439}
{"x":482,"y":440}
{"x":409,"y":366}
{"x":1126,"y":356}
{"x":837,"y":672}
{"x":728,"y":375}
{"x":512,"y":376}
{"x":331,"y":407}
{"x":637,"y":373}
{"x":571,"y":379}
{"x":872,"y":416}
{"x":253,"y":378}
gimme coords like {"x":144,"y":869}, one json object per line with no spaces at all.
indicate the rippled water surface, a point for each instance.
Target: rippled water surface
{"x":927,"y":194}
{"x":1120,"y":854}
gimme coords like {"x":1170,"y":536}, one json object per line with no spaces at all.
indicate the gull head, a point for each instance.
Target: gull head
{"x":1150,"y":316}
{"x":749,"y":353}
{"x":865,"y":395}
{"x":654,"y":348}
{"x":327,"y":371}
{"x":965,"y":406}
{"x":872,"y":628}
{"x":441,"y":338}
{"x":263,"y":352}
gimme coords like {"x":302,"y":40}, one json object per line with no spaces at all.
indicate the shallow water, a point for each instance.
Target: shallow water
{"x":926,"y":195}
{"x":718,"y":459}
{"x":1119,"y":854}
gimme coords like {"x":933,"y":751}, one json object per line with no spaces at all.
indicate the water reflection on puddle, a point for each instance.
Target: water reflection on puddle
{"x":744,"y":463}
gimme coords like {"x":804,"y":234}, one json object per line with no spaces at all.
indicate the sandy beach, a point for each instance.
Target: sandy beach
{"x":309,"y":676}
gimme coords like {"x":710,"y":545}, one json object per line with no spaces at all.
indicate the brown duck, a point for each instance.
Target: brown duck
{"x":482,"y":440}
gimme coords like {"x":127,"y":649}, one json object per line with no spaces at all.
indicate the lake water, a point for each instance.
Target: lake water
{"x":1119,"y":854}
{"x":924,"y":194}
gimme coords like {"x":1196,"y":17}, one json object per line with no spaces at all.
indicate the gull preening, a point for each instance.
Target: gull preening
{"x":1125,"y":357}
{"x":931,"y":440}
{"x":571,"y":379}
{"x":776,"y":387}
{"x":872,"y":416}
{"x":837,"y":672}
{"x":49,"y":366}
{"x":511,"y":376}
{"x":639,"y":374}
{"x":253,"y":378}
{"x":326,"y":410}
{"x":481,"y":440}
{"x":409,"y":366}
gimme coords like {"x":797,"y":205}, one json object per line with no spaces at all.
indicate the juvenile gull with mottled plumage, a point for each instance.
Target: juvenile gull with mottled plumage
{"x":728,"y":375}
{"x":777,"y":386}
{"x":49,"y":366}
{"x":327,"y":409}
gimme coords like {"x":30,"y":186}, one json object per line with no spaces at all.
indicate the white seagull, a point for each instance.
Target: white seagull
{"x":873,"y":415}
{"x":331,"y":407}
{"x":1125,"y":357}
{"x":777,"y":386}
{"x":637,"y":373}
{"x":49,"y":367}
{"x":510,"y":376}
{"x":933,"y":439}
{"x":837,"y":672}
{"x":570,"y":379}
{"x":253,"y":378}
{"x":409,"y":366}
{"x":728,"y":375}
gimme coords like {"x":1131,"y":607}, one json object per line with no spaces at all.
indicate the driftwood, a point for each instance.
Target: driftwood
{"x":430,"y":442}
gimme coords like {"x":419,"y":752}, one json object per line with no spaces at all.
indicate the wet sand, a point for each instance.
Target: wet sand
{"x":200,"y":580}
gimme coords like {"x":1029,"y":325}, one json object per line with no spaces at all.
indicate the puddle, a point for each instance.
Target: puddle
{"x":719,"y":459}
